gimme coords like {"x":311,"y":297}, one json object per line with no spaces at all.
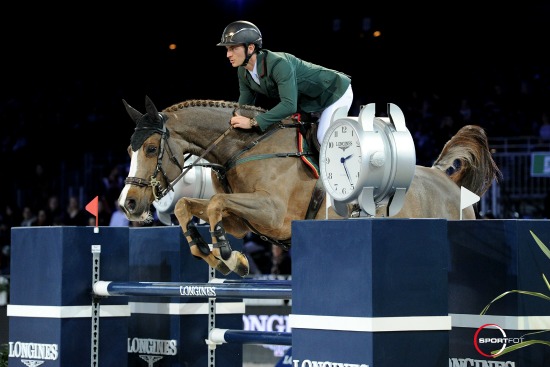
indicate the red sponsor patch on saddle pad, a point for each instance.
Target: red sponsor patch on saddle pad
{"x":308,"y":160}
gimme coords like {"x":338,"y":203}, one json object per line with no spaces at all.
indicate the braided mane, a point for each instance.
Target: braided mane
{"x":210,"y":103}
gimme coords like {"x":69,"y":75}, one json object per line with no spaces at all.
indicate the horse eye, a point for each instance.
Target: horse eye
{"x":151,"y":150}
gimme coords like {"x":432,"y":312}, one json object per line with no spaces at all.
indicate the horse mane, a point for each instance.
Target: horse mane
{"x":467,"y":159}
{"x":147,"y":126}
{"x":212,"y":103}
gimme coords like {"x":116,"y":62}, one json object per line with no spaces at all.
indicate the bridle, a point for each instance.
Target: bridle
{"x":158,"y":191}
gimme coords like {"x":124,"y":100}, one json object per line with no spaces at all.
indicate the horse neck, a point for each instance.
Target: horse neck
{"x":200,"y":127}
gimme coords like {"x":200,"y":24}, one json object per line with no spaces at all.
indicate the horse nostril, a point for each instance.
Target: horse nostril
{"x":130,"y":205}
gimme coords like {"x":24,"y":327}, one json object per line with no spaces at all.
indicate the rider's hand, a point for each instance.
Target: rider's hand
{"x":241,"y":122}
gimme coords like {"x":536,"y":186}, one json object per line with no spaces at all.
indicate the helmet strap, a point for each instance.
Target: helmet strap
{"x":247,"y":58}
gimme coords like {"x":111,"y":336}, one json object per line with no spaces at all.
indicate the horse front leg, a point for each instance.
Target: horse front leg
{"x":232,"y":210}
{"x":235,"y":260}
{"x":197,"y":245}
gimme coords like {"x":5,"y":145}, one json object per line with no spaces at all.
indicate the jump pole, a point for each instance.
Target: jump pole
{"x":161,"y":255}
{"x":221,"y":336}
{"x":190,"y":320}
{"x":195,"y":290}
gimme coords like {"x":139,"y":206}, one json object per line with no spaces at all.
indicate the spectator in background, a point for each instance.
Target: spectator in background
{"x":75,"y":215}
{"x":281,"y":261}
{"x":546,"y":213}
{"x":42,"y":218}
{"x":544,"y":130}
{"x":5,"y":241}
{"x":7,"y":219}
{"x":55,"y":214}
{"x":41,"y":186}
{"x":118,"y":218}
{"x":258,"y":253}
{"x":28,"y":217}
{"x":10,"y":216}
{"x":113,"y":184}
{"x":103,"y":212}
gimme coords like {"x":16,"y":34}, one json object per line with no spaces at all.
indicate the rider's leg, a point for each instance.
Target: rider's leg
{"x":326,"y":115}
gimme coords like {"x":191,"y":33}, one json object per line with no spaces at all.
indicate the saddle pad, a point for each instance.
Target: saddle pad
{"x":309,"y":160}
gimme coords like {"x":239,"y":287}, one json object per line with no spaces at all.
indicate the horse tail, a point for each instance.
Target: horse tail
{"x":467,"y":159}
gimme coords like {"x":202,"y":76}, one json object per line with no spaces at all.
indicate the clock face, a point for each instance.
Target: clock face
{"x":341,"y":159}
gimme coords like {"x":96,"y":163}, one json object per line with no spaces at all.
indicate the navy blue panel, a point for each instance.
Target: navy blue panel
{"x":532,"y":263}
{"x":189,"y":332}
{"x":52,"y":266}
{"x":72,"y":340}
{"x":162,"y":254}
{"x":490,"y":257}
{"x":384,"y":349}
{"x":461,"y":347}
{"x":370,"y":267}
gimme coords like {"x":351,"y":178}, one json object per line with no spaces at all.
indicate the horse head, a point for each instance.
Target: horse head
{"x":162,"y":139}
{"x":153,"y":164}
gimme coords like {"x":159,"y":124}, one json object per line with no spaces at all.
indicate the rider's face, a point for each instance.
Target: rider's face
{"x":235,"y":54}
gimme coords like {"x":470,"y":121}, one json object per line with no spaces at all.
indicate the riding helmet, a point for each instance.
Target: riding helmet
{"x":241,"y":32}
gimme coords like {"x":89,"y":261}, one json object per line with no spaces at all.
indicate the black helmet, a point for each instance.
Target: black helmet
{"x":241,"y":32}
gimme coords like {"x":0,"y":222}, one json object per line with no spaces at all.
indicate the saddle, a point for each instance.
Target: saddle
{"x":307,"y":143}
{"x":308,"y":128}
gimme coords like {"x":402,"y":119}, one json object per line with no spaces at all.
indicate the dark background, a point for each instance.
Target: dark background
{"x":67,"y":68}
{"x":85,"y":58}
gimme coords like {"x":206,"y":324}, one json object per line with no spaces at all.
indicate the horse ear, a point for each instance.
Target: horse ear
{"x":151,"y":109}
{"x":134,"y":114}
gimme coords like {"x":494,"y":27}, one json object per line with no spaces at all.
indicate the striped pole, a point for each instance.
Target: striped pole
{"x":220,"y":336}
{"x":245,"y":289}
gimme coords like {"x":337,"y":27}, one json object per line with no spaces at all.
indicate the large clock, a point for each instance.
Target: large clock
{"x":367,"y":160}
{"x":342,"y":157}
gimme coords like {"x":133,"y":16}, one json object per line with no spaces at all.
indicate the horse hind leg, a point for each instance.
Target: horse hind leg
{"x":235,"y":260}
{"x":200,"y":249}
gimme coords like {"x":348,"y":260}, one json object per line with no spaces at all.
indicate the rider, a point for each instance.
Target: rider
{"x":300,"y":86}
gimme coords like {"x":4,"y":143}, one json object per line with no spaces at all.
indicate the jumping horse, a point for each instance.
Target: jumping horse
{"x":264,"y":181}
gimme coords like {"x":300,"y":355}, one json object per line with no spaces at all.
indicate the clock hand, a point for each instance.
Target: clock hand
{"x":347,"y":174}
{"x":343,"y":161}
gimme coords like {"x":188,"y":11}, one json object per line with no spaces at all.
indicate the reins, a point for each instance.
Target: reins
{"x":234,"y":160}
{"x":184,"y":172}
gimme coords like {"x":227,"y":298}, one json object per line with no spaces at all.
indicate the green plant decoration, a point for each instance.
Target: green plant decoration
{"x":523,"y":344}
{"x":3,"y":355}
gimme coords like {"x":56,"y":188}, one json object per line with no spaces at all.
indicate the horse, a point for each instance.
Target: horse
{"x":263,"y":181}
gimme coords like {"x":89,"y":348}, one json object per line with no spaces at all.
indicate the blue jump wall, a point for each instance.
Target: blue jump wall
{"x":366,"y":292}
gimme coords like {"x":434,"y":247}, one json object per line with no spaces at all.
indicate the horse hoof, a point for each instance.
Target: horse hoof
{"x":242,"y":268}
{"x":222,"y":268}
{"x":238,"y":263}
